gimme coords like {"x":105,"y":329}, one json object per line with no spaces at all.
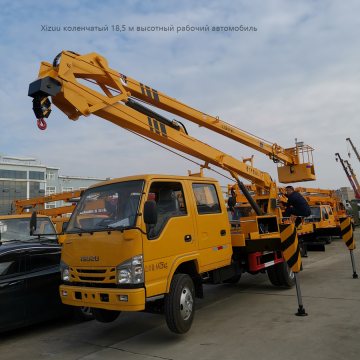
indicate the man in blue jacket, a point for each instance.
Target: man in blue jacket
{"x":296,"y":205}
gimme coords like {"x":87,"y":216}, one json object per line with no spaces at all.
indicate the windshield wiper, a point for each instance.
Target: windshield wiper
{"x":122,"y":228}
{"x":84,"y":230}
{"x":108,"y":226}
{"x":114,"y":227}
{"x":43,"y":238}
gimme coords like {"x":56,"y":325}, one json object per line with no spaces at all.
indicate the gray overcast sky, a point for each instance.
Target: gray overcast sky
{"x":297,"y":76}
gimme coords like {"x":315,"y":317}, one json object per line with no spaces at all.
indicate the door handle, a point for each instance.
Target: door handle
{"x":11,"y":284}
{"x":223,"y":232}
{"x":16,"y":282}
{"x":187,"y":238}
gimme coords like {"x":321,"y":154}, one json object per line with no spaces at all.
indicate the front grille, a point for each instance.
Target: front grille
{"x":94,"y":275}
{"x":91,"y":278}
{"x":82,"y":271}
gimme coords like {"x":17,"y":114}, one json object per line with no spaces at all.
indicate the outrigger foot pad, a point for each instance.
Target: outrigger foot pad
{"x":301,"y":311}
{"x":355,"y":276}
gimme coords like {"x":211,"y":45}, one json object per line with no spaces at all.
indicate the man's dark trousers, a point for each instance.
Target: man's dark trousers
{"x":296,"y":212}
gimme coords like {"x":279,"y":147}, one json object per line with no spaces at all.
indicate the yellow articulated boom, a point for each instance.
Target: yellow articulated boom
{"x":353,"y":176}
{"x":56,"y":214}
{"x":151,"y":241}
{"x":70,"y":197}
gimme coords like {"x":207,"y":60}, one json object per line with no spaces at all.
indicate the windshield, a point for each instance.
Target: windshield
{"x":19,"y":229}
{"x":113,"y":205}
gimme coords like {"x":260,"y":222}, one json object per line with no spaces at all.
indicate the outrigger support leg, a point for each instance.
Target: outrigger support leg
{"x":355,"y":275}
{"x":301,"y":310}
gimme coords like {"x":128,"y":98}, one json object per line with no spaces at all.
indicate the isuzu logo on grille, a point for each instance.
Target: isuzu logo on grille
{"x":89,"y":258}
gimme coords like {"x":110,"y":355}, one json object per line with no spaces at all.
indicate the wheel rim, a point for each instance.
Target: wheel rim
{"x":186,"y":303}
{"x":86,"y":310}
{"x":290,"y":273}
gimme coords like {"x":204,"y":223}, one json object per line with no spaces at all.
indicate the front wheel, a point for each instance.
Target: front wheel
{"x":105,"y":316}
{"x":328,"y":240}
{"x":83,"y":313}
{"x":180,"y":304}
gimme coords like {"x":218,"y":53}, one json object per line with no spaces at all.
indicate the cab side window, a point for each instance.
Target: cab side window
{"x":169,"y":197}
{"x":9,"y":264}
{"x":329,"y":210}
{"x":207,"y":201}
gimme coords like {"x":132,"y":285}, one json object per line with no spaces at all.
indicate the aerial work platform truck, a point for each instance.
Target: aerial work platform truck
{"x":160,"y":238}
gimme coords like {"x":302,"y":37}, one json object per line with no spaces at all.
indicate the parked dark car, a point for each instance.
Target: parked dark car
{"x":30,"y":274}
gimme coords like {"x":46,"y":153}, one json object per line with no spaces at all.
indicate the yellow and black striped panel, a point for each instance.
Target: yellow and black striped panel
{"x":154,"y":125}
{"x":290,"y":246}
{"x":146,"y":90}
{"x":347,"y":233}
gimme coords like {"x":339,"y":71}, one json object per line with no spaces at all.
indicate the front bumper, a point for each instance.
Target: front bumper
{"x":103,"y":298}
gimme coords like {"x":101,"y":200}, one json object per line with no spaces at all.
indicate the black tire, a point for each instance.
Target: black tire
{"x":234,"y":280}
{"x":83,"y":313}
{"x":328,"y":240}
{"x":285,"y":275}
{"x":273,"y":276}
{"x":182,"y":292}
{"x":105,"y":316}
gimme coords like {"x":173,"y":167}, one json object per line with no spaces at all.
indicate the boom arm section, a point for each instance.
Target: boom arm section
{"x":353,"y":175}
{"x":357,"y":194}
{"x":22,"y":205}
{"x":354,"y":148}
{"x":75,"y":99}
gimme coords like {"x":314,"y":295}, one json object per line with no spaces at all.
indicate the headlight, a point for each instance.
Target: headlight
{"x":124,"y":276}
{"x":64,"y":269}
{"x":131,"y":271}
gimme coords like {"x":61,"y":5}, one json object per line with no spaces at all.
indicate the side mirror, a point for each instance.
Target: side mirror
{"x":33,"y":222}
{"x":150,"y":212}
{"x":64,"y":226}
{"x":231,"y":201}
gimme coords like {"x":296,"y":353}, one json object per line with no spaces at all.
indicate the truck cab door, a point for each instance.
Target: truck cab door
{"x":212,"y":224}
{"x":172,"y":237}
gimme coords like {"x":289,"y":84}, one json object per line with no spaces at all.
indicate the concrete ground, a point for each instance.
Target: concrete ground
{"x":250,"y":320}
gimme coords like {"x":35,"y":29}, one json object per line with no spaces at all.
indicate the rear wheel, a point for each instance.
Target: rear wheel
{"x":273,"y":276}
{"x":286,"y":276}
{"x":105,"y":316}
{"x":180,"y":304}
